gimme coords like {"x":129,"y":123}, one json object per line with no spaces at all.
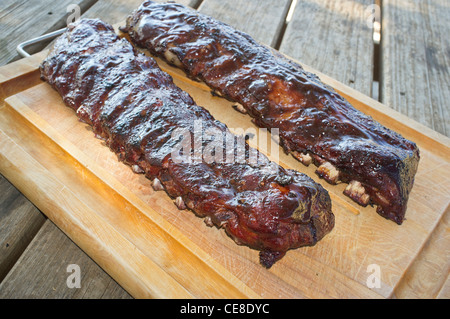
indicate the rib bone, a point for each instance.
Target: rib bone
{"x":357,"y":192}
{"x":328,"y":172}
{"x":180,"y":203}
{"x":306,"y":159}
{"x":156,"y":184}
{"x":172,"y":58}
{"x":238,"y":107}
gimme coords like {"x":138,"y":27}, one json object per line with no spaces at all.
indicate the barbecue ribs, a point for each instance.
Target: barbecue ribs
{"x":136,"y":108}
{"x":316,"y":124}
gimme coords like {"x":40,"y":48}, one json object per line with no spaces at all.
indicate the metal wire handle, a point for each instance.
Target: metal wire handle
{"x":20,"y":48}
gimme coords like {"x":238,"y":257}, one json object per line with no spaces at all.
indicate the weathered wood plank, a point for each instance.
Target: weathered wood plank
{"x":114,"y":11}
{"x":23,"y":20}
{"x":19,"y":222}
{"x":42,"y":271}
{"x":333,"y":37}
{"x":415,"y":48}
{"x":263,"y":20}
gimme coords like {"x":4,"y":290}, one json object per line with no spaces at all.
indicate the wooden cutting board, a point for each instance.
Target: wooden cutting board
{"x":155,"y":250}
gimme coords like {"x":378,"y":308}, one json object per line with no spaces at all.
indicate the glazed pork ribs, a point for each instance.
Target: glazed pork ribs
{"x":137,"y":109}
{"x":316,"y":124}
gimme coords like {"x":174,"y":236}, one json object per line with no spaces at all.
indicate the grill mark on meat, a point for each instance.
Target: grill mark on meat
{"x":312,"y":118}
{"x":135,"y":107}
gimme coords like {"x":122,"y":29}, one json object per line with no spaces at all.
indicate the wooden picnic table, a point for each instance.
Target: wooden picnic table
{"x":401,"y":59}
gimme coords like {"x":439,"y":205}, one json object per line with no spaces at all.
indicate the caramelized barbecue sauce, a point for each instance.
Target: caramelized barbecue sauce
{"x":278,"y":93}
{"x":135,"y":107}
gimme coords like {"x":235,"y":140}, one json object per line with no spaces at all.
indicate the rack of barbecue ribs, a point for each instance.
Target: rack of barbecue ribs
{"x":136,"y":109}
{"x":316,"y":124}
